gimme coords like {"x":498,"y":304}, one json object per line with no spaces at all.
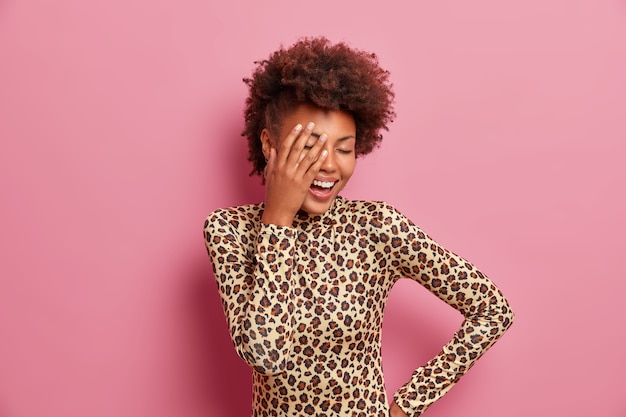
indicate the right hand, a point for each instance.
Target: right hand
{"x":290,"y":171}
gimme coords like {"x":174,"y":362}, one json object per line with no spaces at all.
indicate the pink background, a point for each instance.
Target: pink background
{"x":119,"y":128}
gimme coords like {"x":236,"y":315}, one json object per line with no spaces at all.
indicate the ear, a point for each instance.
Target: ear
{"x":266,"y":143}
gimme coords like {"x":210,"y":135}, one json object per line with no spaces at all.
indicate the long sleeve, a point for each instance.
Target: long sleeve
{"x":256,"y":286}
{"x":457,"y":282}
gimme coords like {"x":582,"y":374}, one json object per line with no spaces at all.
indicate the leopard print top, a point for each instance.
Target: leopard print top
{"x":304,"y":306}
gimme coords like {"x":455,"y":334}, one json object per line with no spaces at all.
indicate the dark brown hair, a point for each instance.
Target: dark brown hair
{"x":332,"y":77}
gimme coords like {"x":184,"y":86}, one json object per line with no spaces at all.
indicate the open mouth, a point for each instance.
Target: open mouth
{"x":323,"y":184}
{"x":322,"y":189}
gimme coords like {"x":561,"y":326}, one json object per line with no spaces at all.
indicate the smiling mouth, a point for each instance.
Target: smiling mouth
{"x":322,"y":189}
{"x":324,"y":184}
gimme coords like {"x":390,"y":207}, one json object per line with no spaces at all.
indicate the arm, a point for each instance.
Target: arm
{"x":256,"y":288}
{"x":463,"y":287}
{"x":254,"y":274}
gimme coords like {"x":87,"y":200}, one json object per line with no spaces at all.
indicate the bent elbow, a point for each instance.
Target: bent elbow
{"x":266,"y":363}
{"x":267,"y":352}
{"x":506,"y":317}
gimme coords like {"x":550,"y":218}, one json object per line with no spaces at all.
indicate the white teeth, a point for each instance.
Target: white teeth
{"x":323,"y":184}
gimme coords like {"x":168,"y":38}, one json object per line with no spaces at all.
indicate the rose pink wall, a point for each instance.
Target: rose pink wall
{"x":119,"y":129}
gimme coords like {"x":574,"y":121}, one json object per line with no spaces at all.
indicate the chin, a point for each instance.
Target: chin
{"x":317,"y":207}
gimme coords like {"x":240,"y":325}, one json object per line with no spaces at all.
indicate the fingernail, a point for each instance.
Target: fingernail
{"x":324,"y":153}
{"x":298,"y":127}
{"x":323,"y":137}
{"x":310,"y":125}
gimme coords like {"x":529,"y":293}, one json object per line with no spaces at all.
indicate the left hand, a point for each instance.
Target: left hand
{"x":396,"y":411}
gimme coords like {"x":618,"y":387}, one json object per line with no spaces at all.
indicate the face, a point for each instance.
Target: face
{"x":341,"y":160}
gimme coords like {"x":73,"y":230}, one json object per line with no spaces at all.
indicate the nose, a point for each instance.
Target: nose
{"x":329,"y":164}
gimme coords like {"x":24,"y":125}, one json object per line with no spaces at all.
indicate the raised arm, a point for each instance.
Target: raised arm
{"x":256,"y":286}
{"x":255,"y":277}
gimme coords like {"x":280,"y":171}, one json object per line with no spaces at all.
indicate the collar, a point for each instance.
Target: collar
{"x":306,"y":221}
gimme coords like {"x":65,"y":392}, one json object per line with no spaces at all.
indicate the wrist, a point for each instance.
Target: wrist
{"x":277,"y":219}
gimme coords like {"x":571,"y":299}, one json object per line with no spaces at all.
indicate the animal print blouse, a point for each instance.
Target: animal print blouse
{"x":304,"y":306}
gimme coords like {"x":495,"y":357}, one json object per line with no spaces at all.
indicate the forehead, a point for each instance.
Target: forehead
{"x":335,"y":123}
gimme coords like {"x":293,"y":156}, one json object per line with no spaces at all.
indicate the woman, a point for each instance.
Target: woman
{"x":305,"y":275}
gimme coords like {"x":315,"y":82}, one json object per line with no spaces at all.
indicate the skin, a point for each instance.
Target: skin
{"x":314,"y":143}
{"x":319,"y":147}
{"x":396,"y":411}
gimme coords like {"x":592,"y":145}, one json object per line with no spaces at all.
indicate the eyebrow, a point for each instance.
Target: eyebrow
{"x":317,"y":135}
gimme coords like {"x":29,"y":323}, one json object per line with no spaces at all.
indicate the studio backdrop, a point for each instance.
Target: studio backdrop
{"x":120,"y":127}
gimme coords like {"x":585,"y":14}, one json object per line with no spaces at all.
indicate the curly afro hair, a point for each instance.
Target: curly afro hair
{"x":332,"y":77}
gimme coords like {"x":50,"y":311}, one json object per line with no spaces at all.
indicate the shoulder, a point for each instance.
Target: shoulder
{"x":373,"y":213}
{"x":236,"y":218}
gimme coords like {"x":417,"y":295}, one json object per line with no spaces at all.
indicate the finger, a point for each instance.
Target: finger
{"x":315,"y":167}
{"x":287,"y":143}
{"x":311,"y":141}
{"x":299,"y":145}
{"x":310,"y":156}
